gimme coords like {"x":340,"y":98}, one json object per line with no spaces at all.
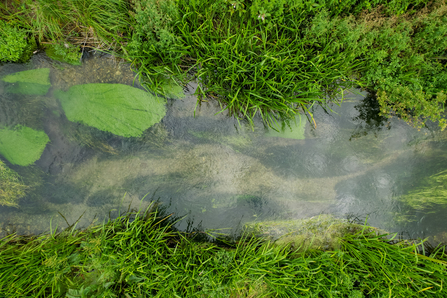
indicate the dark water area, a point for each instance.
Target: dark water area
{"x":221,"y":173}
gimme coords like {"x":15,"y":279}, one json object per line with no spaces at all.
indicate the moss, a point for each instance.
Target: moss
{"x":15,"y":44}
{"x":11,"y":186}
{"x":116,"y":108}
{"x":22,"y":145}
{"x":64,"y":53}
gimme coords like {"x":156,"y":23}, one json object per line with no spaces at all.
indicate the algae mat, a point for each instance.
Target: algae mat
{"x":29,"y":82}
{"x":22,"y":145}
{"x":120,"y":109}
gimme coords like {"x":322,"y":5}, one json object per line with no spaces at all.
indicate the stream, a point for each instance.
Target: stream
{"x":217,"y":171}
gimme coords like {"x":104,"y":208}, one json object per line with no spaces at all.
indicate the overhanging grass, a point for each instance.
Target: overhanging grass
{"x":141,"y":255}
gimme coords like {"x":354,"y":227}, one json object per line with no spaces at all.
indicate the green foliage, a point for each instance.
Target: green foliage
{"x":141,"y":254}
{"x":391,"y":58}
{"x":15,"y":45}
{"x":31,"y":82}
{"x":283,"y":55}
{"x":22,"y":145}
{"x":265,"y":9}
{"x":64,"y":52}
{"x":11,"y":186}
{"x":120,"y":109}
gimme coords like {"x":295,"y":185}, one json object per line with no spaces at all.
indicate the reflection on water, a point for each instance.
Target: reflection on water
{"x":222,"y":173}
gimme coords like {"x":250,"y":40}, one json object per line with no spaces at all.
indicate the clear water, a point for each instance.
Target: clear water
{"x":219,"y":172}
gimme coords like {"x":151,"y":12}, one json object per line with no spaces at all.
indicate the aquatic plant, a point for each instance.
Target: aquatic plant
{"x":430,"y":192}
{"x":120,"y":109}
{"x":31,"y":82}
{"x":22,"y":145}
{"x":11,"y":186}
{"x":141,"y":254}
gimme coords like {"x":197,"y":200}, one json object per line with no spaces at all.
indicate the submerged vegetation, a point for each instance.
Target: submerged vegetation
{"x":273,"y":58}
{"x":143,"y":255}
{"x":11,"y":186}
{"x":429,"y":193}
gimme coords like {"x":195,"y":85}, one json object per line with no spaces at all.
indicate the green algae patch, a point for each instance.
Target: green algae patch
{"x":11,"y":186}
{"x":22,"y":145}
{"x":29,"y":82}
{"x":120,"y":109}
{"x":291,"y":130}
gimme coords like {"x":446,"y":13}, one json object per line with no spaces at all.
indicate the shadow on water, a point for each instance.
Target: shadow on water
{"x":369,"y":118}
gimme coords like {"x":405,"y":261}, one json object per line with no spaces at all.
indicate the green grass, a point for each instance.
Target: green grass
{"x":141,"y":255}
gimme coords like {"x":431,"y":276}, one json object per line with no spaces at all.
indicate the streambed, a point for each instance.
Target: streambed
{"x":218,"y":171}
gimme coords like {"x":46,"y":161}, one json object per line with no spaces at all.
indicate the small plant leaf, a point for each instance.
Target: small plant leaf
{"x":120,"y":109}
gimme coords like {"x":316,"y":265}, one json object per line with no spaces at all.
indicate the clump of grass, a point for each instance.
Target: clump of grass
{"x":11,"y":186}
{"x":141,"y":254}
{"x":100,"y":24}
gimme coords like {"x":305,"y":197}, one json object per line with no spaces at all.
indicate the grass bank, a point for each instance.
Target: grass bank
{"x":142,"y":255}
{"x":271,"y":58}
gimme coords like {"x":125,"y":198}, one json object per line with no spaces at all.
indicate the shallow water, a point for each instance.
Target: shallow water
{"x":219,"y":172}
